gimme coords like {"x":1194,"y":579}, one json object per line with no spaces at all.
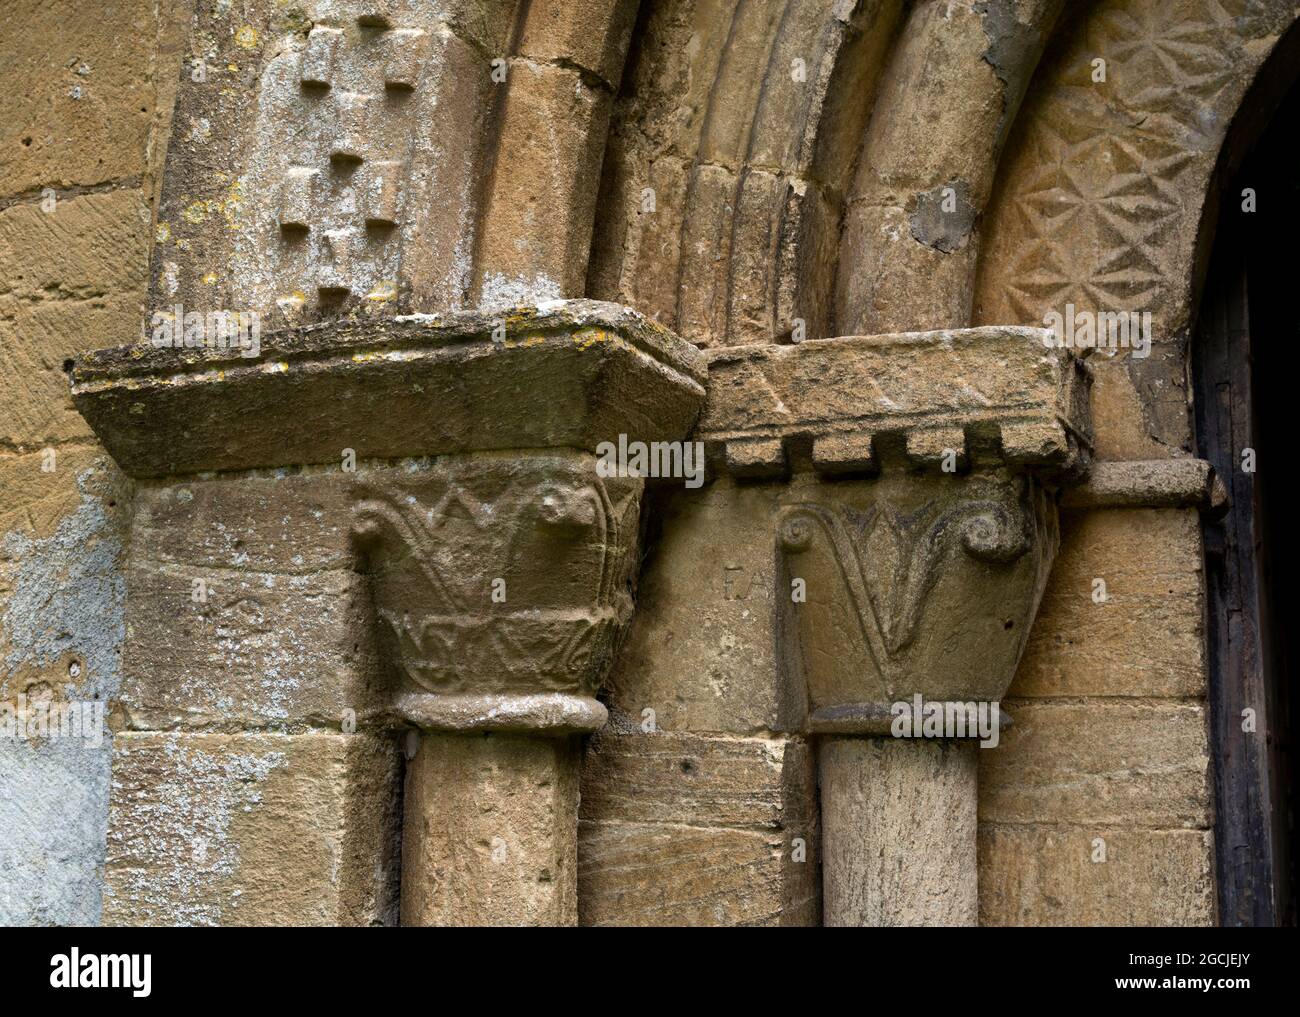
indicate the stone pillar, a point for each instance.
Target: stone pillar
{"x":495,"y":560}
{"x":898,"y":831}
{"x":913,"y":539}
{"x":490,"y":831}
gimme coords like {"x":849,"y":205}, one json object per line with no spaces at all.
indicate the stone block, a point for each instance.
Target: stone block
{"x":252,"y":829}
{"x":74,"y":281}
{"x":1047,"y":876}
{"x":1131,"y":765}
{"x":1147,"y":638}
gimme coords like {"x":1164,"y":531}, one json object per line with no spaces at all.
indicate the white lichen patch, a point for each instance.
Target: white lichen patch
{"x":500,"y":291}
{"x":172,"y":858}
{"x":69,"y":596}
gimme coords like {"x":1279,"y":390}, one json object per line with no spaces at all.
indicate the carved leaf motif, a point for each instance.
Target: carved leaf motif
{"x":889,"y":560}
{"x":438,"y":541}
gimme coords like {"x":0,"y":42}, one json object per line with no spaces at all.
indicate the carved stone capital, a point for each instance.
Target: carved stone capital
{"x":911,"y":585}
{"x":500,"y":561}
{"x":501,"y":585}
{"x":925,"y":579}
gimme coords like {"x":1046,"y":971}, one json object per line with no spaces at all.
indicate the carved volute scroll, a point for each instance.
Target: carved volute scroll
{"x":913,"y":585}
{"x":497,"y":577}
{"x":914,"y":541}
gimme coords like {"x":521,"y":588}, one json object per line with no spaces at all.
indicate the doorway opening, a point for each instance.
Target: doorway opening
{"x":1245,"y":355}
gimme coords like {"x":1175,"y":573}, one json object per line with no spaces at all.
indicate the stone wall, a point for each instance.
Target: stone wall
{"x":742,"y":173}
{"x":83,"y":117}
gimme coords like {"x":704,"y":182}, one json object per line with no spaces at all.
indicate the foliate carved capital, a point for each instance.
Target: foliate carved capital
{"x":501,"y":585}
{"x":907,"y":585}
{"x":500,"y":560}
{"x":927,"y":579}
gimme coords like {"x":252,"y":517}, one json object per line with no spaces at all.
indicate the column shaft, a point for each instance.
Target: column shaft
{"x":490,"y":831}
{"x":898,"y":831}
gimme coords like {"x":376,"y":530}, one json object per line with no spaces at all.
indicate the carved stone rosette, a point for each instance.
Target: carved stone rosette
{"x":912,"y":546}
{"x":500,"y":563}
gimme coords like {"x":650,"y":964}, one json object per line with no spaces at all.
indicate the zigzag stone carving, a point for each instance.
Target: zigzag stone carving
{"x":325,"y":162}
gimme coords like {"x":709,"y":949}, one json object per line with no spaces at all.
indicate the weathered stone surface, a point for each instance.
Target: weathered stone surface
{"x":499,"y":575}
{"x":1048,"y":876}
{"x":898,"y":830}
{"x":907,"y":585}
{"x":1147,"y":638}
{"x":61,"y":591}
{"x":1068,"y":238}
{"x":742,"y":121}
{"x":537,"y":219}
{"x":699,"y":651}
{"x":259,"y":649}
{"x":77,"y":93}
{"x":1152,"y":483}
{"x":68,"y":278}
{"x":388,"y":113}
{"x":1031,"y":409}
{"x":252,"y":829}
{"x":775,"y":172}
{"x":698,"y":780}
{"x":490,"y":831}
{"x":593,"y":371}
{"x":697,"y":829}
{"x":62,"y":535}
{"x":593,"y":36}
{"x":947,"y":98}
{"x":1129,"y":765}
{"x":287,"y":522}
{"x":650,"y":874}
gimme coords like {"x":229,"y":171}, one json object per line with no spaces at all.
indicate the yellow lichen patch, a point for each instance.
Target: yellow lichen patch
{"x":163,"y":233}
{"x":533,"y":340}
{"x":195,"y":212}
{"x":519,"y":316}
{"x":210,"y":278}
{"x":291,"y":301}
{"x":233,"y":68}
{"x":588,"y":337}
{"x":230,"y":207}
{"x":384,"y":291}
{"x":246,"y":37}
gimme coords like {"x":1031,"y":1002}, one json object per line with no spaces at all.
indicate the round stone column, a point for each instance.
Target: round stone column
{"x":898,"y":831}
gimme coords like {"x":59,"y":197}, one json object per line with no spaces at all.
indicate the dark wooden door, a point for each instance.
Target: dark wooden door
{"x":1244,"y":360}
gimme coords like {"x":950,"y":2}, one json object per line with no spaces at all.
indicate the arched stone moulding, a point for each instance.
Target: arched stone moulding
{"x":499,"y":563}
{"x":923,"y":580}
